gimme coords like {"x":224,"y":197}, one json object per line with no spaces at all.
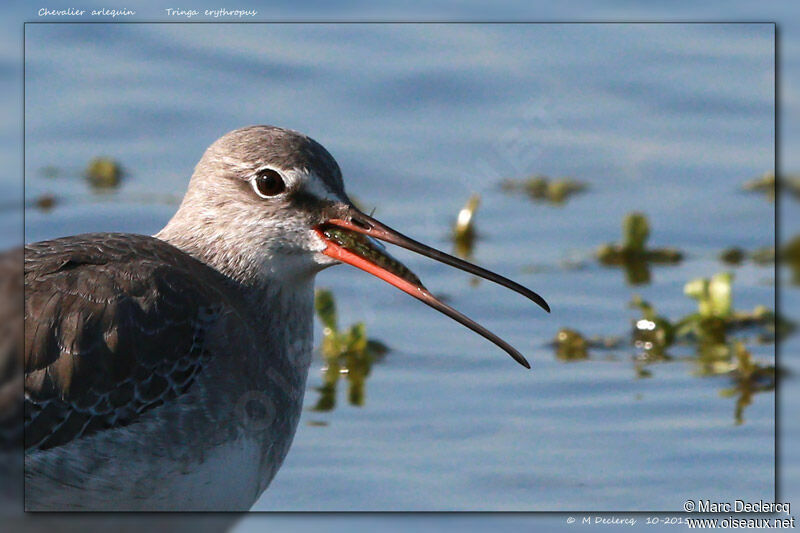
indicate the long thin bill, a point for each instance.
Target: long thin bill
{"x":419,"y":292}
{"x":361,"y":223}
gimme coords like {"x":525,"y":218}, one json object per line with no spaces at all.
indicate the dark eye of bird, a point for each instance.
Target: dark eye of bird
{"x":269,"y":183}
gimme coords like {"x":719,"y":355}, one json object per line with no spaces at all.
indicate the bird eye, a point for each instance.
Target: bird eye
{"x":268,"y":183}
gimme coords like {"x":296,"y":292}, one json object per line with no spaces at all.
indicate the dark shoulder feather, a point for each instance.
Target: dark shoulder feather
{"x":115,"y":325}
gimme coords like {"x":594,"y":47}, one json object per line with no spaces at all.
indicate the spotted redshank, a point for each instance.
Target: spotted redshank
{"x":167,"y":372}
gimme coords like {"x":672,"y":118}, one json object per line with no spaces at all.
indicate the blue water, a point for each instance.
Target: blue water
{"x":665,"y":119}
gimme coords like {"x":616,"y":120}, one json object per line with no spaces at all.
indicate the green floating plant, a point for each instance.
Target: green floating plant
{"x":789,"y":255}
{"x":349,"y":353}
{"x":104,"y":173}
{"x":544,"y":189}
{"x":736,"y":256}
{"x":570,"y":345}
{"x":709,"y":327}
{"x":708,"y":330}
{"x":716,"y":316}
{"x":733,"y":255}
{"x":714,"y":296}
{"x":633,"y":254}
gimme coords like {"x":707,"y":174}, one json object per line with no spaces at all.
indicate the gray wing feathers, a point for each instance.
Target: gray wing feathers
{"x":114,"y":326}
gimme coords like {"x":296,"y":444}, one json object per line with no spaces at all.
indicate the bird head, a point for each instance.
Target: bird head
{"x":270,"y":203}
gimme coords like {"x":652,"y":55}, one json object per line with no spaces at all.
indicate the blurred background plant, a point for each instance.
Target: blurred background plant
{"x":555,"y":191}
{"x":347,"y":353}
{"x":633,"y":254}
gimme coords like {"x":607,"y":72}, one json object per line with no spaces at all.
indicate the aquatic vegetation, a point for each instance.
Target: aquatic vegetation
{"x":733,"y":255}
{"x":736,"y":256}
{"x":766,"y":184}
{"x":45,"y":202}
{"x":570,"y":345}
{"x":464,"y":233}
{"x":652,"y":333}
{"x":710,"y":325}
{"x":708,"y":331}
{"x":763,"y":184}
{"x":714,"y":297}
{"x":750,"y":377}
{"x":715,"y":316}
{"x":751,"y":372}
{"x":790,"y":256}
{"x":544,"y":189}
{"x":103,"y":173}
{"x":349,"y":353}
{"x":633,"y":254}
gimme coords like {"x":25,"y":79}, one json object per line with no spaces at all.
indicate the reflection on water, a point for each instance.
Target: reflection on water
{"x":346,"y":353}
{"x":652,"y":333}
{"x":633,"y":254}
{"x":750,"y":377}
{"x":709,"y":332}
{"x":713,"y":322}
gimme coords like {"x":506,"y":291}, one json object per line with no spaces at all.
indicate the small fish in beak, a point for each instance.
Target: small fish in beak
{"x":350,"y":240}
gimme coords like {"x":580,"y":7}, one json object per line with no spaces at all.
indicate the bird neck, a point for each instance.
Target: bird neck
{"x":228,"y":250}
{"x":287,"y":300}
{"x":282,"y":319}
